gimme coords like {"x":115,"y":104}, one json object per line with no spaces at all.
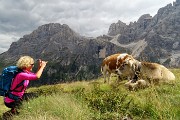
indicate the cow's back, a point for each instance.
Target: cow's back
{"x":110,"y":61}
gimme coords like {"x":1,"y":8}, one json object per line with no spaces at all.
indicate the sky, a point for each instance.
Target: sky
{"x":89,"y":18}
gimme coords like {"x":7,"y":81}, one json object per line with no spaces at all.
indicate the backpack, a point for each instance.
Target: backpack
{"x":6,"y":79}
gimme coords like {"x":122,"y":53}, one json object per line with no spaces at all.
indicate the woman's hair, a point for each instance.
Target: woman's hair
{"x":25,"y":62}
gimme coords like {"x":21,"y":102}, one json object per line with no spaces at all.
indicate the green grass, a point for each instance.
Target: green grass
{"x":54,"y":107}
{"x":94,"y":100}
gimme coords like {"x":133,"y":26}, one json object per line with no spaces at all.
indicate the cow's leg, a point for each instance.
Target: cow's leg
{"x":104,"y":72}
{"x":119,"y":78}
{"x":105,"y":75}
{"x":109,"y":76}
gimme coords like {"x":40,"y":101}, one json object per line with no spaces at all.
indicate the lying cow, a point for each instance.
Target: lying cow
{"x":146,"y":71}
{"x":111,"y":63}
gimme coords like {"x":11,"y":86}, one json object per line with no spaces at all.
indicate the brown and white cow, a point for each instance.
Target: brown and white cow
{"x":111,"y":63}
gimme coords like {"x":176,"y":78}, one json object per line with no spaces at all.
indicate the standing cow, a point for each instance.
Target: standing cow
{"x":111,"y":63}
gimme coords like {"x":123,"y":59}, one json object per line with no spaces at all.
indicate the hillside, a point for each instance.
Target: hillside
{"x":98,"y":101}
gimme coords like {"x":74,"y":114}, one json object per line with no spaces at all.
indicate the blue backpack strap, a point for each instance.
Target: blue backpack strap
{"x":19,"y":85}
{"x":12,"y":96}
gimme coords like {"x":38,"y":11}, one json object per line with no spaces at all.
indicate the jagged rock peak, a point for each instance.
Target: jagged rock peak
{"x":52,"y":26}
{"x":164,"y":11}
{"x":176,"y":3}
{"x":144,"y":18}
{"x":49,"y":30}
{"x":116,"y":28}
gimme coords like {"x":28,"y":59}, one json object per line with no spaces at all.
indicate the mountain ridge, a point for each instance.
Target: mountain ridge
{"x":160,"y":32}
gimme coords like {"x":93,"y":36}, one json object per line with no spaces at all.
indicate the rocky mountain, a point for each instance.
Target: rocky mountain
{"x":55,"y":42}
{"x":154,"y":39}
{"x":72,"y":56}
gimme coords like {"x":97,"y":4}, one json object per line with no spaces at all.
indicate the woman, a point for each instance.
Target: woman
{"x":25,"y":63}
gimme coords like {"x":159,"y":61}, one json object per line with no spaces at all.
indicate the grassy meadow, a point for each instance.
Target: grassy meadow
{"x":94,"y":100}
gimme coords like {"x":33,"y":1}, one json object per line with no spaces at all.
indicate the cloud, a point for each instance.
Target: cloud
{"x":87,"y":17}
{"x":6,"y":40}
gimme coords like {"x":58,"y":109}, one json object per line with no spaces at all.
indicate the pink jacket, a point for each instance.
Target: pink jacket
{"x":18,"y":79}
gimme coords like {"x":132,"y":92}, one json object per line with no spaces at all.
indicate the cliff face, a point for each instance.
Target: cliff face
{"x":160,"y":36}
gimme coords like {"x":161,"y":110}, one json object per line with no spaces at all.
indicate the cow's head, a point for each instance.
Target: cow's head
{"x":128,"y":67}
